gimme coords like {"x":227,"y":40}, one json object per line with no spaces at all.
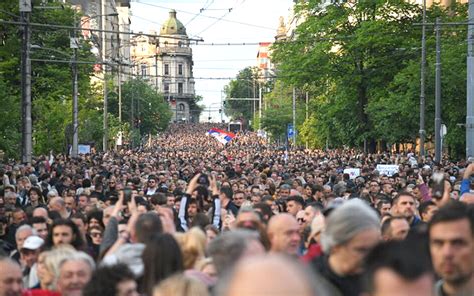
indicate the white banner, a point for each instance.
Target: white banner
{"x":353,"y":173}
{"x":387,"y":169}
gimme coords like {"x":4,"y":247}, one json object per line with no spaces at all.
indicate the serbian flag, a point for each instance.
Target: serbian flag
{"x":220,"y":135}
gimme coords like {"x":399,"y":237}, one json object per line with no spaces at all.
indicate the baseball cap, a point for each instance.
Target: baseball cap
{"x":33,"y":242}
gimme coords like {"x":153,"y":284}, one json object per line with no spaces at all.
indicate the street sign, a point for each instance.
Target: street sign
{"x":290,"y":130}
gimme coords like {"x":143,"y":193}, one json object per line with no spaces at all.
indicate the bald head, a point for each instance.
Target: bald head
{"x":283,"y":232}
{"x":268,"y":275}
{"x":41,"y":212}
{"x":10,"y":278}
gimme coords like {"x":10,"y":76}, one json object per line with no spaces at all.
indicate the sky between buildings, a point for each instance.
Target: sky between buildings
{"x":248,"y":21}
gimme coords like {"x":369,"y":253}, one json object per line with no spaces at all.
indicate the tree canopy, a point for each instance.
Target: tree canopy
{"x":360,"y":62}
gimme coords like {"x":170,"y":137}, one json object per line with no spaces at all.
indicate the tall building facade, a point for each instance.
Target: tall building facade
{"x":266,"y":70}
{"x":166,"y":62}
{"x":111,"y":46}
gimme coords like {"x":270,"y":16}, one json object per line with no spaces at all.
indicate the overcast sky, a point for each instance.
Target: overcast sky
{"x":249,"y":21}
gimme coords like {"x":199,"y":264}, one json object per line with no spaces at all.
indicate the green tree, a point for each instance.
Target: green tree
{"x":145,"y":110}
{"x":244,"y":86}
{"x":402,"y":94}
{"x":361,"y":63}
{"x":51,"y":81}
{"x":279,"y":112}
{"x":347,"y":53}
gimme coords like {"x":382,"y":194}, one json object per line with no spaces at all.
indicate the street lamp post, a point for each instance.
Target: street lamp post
{"x":422,"y":83}
{"x":74,"y":44}
{"x":75,"y":122}
{"x":438,"y":148}
{"x":470,"y":84}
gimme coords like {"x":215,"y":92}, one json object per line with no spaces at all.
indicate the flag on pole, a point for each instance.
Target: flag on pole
{"x":220,"y":135}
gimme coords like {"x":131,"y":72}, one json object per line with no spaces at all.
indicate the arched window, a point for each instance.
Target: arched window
{"x":181,"y":107}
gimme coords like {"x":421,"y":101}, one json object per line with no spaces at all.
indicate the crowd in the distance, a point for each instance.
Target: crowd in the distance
{"x":188,"y":216}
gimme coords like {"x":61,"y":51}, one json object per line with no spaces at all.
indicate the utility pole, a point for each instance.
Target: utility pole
{"x":307,"y":113}
{"x":119,"y":71}
{"x":119,"y":78}
{"x":260,"y":107}
{"x":75,"y":124}
{"x":156,"y":70}
{"x":105,"y":140}
{"x":27,"y":145}
{"x":438,"y":94}
{"x":422,"y":83}
{"x":470,"y":84}
{"x":294,"y":117}
{"x":222,"y":106}
{"x":254,"y":95}
{"x":132,"y":123}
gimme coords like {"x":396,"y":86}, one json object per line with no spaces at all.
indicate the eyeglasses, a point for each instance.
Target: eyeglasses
{"x":151,"y":181}
{"x":96,"y":234}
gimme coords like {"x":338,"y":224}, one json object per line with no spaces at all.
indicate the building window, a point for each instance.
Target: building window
{"x":181,"y":107}
{"x":180,"y":88}
{"x":167,"y":69}
{"x":143,"y":70}
{"x":167,"y":88}
{"x":180,"y":69}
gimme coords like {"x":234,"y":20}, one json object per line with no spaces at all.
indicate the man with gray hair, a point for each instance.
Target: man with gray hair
{"x":352,"y":230}
{"x":10,"y":200}
{"x":229,"y":247}
{"x":74,"y":273}
{"x":59,"y":205}
{"x":21,"y":234}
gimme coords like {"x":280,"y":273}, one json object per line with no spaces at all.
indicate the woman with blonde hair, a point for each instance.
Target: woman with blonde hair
{"x":48,"y":266}
{"x":180,"y":285}
{"x":193,"y":245}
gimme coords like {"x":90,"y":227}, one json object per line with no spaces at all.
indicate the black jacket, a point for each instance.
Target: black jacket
{"x":333,"y":283}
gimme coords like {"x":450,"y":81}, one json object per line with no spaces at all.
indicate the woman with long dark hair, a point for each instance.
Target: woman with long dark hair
{"x":162,"y":258}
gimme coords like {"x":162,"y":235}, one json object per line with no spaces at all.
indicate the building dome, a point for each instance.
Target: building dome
{"x":172,"y":26}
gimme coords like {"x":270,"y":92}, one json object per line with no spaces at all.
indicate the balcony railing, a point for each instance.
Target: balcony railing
{"x":174,"y":50}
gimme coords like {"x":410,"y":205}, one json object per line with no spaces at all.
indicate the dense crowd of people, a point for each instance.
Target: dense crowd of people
{"x":188,"y":215}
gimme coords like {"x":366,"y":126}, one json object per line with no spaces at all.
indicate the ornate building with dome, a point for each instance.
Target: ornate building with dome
{"x":166,"y":62}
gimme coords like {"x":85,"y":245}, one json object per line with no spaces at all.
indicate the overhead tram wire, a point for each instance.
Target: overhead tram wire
{"x":203,"y":15}
{"x":218,"y":20}
{"x":211,"y":25}
{"x":55,"y":26}
{"x":148,"y":76}
{"x":200,"y":12}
